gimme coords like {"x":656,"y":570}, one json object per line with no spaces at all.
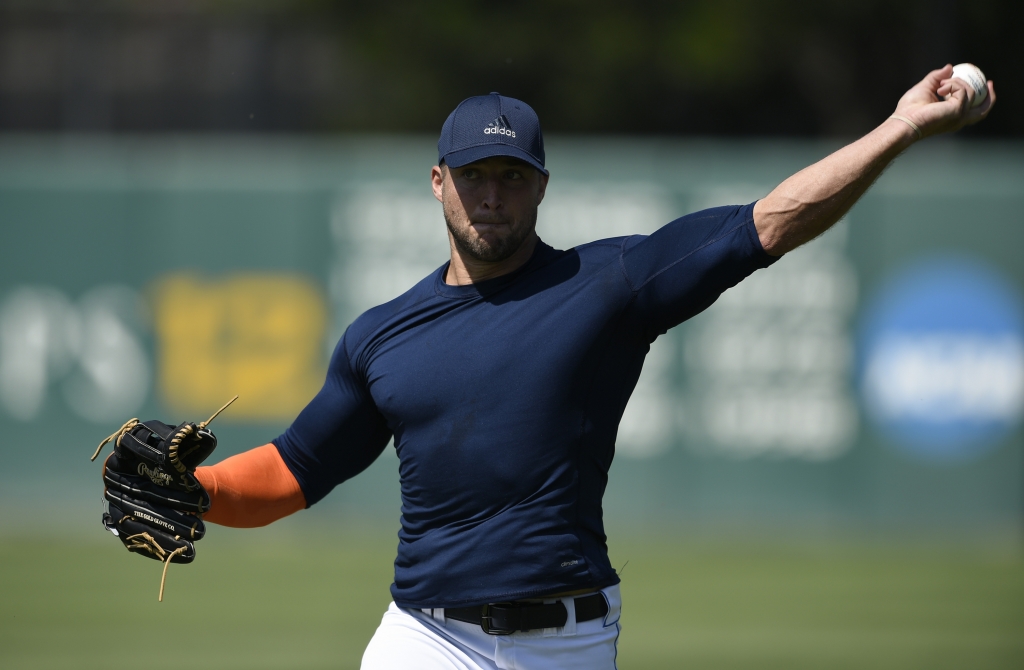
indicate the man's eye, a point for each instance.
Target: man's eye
{"x":513,"y":174}
{"x":470,"y":174}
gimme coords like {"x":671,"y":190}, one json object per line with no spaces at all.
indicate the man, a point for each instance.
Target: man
{"x":502,"y":378}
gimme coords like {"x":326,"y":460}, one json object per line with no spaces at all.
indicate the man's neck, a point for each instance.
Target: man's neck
{"x":465,"y":270}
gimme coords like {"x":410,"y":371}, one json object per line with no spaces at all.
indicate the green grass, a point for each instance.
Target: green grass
{"x":307,"y":598}
{"x":839,"y":606}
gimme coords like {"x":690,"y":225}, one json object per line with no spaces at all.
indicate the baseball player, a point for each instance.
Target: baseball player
{"x":502,"y":377}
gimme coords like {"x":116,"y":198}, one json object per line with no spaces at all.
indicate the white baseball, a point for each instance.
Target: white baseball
{"x":974,"y":78}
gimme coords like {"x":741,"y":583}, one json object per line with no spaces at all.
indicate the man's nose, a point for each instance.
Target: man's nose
{"x":492,"y":194}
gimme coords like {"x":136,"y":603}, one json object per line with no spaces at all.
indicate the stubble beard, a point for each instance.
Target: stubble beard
{"x":493,"y":249}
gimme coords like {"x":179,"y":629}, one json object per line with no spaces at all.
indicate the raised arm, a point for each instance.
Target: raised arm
{"x":808,"y":203}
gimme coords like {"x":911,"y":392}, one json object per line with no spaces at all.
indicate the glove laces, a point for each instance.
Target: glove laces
{"x":146,"y":542}
{"x":174,"y":453}
{"x":116,"y":436}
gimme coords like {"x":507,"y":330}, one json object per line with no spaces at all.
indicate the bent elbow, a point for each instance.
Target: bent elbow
{"x":772,"y":242}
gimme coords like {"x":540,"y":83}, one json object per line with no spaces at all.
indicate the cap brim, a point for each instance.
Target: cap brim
{"x":480,"y":152}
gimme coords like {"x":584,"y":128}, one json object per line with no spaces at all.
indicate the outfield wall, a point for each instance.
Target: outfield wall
{"x":874,"y":378}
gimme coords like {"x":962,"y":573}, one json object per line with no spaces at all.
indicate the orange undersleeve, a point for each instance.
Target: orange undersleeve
{"x":251,"y":489}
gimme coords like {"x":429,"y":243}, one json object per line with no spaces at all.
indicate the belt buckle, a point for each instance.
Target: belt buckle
{"x":485,"y":620}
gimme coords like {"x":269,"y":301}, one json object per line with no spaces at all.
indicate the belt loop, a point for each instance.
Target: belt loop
{"x":569,"y":628}
{"x":550,"y":632}
{"x":438,"y":614}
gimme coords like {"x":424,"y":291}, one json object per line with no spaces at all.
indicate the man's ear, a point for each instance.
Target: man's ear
{"x":437,"y":176}
{"x":543,"y":186}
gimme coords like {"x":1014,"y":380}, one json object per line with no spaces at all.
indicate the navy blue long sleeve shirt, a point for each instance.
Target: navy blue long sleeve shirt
{"x":504,"y":398}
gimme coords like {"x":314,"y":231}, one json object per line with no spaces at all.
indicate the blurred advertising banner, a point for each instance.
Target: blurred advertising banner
{"x":873,"y":377}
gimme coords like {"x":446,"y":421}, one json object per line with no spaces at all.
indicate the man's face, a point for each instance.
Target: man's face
{"x":490,"y":206}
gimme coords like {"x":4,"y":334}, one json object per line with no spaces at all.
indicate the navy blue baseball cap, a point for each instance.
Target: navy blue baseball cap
{"x":491,"y":125}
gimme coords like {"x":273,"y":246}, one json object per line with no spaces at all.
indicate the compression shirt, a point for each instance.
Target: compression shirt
{"x":504,"y":398}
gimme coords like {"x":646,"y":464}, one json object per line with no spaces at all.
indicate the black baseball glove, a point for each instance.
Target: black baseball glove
{"x":154,"y":503}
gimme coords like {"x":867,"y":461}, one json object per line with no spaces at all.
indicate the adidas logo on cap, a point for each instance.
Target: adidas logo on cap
{"x":499,"y":126}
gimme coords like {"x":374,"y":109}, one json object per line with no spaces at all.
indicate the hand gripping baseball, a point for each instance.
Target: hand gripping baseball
{"x":924,"y":109}
{"x":154,"y":501}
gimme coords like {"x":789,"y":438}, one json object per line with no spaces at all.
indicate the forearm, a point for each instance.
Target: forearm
{"x":251,"y":489}
{"x":808,"y":203}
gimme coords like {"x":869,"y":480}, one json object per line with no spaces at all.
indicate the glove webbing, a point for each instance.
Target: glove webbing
{"x":172,"y":450}
{"x":186,"y":430}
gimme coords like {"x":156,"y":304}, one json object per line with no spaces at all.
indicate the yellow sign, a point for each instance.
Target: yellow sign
{"x":258,"y":335}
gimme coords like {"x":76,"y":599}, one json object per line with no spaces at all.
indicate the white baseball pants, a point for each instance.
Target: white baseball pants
{"x":425,"y":640}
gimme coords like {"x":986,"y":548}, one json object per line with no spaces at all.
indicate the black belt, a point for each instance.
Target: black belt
{"x":507,"y":618}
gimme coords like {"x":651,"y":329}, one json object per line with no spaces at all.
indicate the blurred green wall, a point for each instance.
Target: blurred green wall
{"x":157,"y":277}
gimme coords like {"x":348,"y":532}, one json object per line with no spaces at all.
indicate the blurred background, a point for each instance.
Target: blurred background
{"x":824,"y":468}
